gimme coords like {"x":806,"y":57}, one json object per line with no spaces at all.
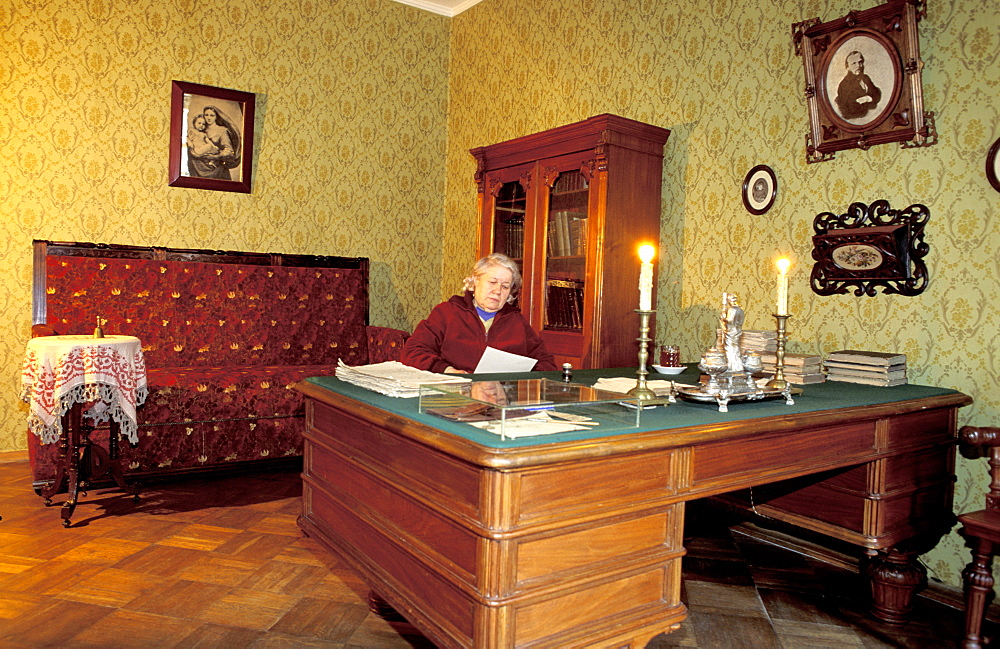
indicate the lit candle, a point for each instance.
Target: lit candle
{"x":783,"y":265}
{"x":646,"y":254}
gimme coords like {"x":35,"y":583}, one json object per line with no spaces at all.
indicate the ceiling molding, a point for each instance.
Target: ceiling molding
{"x":450,"y":8}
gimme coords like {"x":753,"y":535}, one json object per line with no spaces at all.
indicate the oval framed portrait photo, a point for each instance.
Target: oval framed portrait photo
{"x":861,"y":79}
{"x":760,"y":187}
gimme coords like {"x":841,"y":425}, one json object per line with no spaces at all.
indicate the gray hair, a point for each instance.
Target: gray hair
{"x":489,"y":261}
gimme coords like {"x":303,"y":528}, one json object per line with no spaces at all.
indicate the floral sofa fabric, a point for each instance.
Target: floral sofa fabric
{"x":225,"y":337}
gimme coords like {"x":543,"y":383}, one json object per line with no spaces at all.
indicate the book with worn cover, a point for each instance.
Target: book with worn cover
{"x":865,"y":370}
{"x":796,"y":370}
{"x":884,"y":382}
{"x":805,"y":379}
{"x":793,"y":359}
{"x":877,"y":376}
{"x":866,"y":357}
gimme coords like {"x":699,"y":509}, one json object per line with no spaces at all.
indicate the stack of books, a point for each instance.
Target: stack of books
{"x":762,"y":342}
{"x":799,"y":368}
{"x":870,"y":368}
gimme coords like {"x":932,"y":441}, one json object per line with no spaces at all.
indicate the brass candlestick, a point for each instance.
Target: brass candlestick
{"x":640,"y":390}
{"x":779,"y":382}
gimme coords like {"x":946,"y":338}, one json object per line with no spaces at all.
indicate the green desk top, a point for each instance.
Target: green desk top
{"x":821,"y":396}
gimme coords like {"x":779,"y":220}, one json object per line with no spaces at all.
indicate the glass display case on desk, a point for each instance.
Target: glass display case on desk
{"x":528,"y":407}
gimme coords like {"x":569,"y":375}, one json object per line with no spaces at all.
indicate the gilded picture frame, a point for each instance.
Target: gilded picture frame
{"x":863,"y":80}
{"x":211,"y":137}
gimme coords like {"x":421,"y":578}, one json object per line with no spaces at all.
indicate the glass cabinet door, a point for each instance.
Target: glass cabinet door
{"x":566,"y":252}
{"x":508,"y":221}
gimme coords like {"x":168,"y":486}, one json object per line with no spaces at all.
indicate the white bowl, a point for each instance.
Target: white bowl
{"x":662,"y":369}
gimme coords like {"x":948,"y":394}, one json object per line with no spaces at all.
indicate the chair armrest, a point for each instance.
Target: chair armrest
{"x":977,"y":441}
{"x":979,"y":438}
{"x":385,"y":343}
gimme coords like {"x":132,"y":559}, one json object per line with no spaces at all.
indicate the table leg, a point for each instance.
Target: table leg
{"x":71,"y":423}
{"x":100,"y":463}
{"x":82,"y":462}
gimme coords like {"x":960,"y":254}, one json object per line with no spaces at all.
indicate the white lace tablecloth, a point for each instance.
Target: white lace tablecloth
{"x":59,"y":371}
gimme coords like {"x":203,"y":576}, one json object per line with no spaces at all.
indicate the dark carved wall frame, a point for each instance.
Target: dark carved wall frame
{"x":889,"y":33}
{"x":868,"y":247}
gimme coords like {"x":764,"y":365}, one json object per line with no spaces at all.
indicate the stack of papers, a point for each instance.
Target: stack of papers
{"x":623,"y":384}
{"x":392,"y":378}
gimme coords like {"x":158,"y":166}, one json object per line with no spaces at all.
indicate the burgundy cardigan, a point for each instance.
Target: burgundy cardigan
{"x":453,"y":335}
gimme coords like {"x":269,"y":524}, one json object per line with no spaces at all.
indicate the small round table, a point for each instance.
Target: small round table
{"x":63,"y":373}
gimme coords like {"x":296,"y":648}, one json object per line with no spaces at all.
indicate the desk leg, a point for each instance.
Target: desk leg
{"x":382,"y":608}
{"x":896,"y":577}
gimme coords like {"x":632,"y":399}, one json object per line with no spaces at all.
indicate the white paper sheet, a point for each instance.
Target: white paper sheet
{"x":495,"y":360}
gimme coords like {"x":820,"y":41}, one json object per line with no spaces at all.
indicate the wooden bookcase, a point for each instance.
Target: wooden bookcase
{"x":572,"y":205}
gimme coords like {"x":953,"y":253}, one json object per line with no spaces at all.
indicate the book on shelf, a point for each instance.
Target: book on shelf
{"x":797,"y":360}
{"x":578,"y":236}
{"x":866,"y":357}
{"x":856,"y":368}
{"x":865,"y":380}
{"x":514,"y":236}
{"x":564,"y":304}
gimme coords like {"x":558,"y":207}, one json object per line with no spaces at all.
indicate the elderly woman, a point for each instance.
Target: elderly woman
{"x":457,"y":332}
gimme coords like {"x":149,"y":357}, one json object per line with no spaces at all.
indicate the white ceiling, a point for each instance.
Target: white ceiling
{"x":443,"y":7}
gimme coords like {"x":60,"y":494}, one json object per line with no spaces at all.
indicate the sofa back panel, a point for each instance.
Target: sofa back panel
{"x":198,"y":313}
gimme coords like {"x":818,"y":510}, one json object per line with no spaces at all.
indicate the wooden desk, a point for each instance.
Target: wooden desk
{"x":576,"y":539}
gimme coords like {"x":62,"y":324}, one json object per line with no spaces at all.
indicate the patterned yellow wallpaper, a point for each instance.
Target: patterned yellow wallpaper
{"x":724,"y":78}
{"x":350,"y":149}
{"x":367,"y":109}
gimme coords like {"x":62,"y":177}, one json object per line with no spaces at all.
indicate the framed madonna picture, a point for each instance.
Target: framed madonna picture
{"x":863,"y":84}
{"x":211,"y":137}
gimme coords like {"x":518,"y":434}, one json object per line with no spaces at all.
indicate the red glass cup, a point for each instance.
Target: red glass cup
{"x":670,"y":355}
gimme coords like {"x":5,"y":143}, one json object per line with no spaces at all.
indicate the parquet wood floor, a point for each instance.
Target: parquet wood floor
{"x":221,"y":563}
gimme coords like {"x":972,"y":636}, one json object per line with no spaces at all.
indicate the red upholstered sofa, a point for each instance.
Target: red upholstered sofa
{"x":225,"y":336}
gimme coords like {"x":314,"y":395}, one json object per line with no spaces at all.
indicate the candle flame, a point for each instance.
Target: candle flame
{"x":646,"y":253}
{"x":783,"y":265}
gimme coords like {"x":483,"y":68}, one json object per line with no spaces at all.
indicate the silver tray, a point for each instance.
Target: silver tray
{"x":761,"y":394}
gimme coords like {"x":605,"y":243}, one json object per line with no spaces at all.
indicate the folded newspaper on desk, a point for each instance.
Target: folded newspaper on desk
{"x":392,"y":378}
